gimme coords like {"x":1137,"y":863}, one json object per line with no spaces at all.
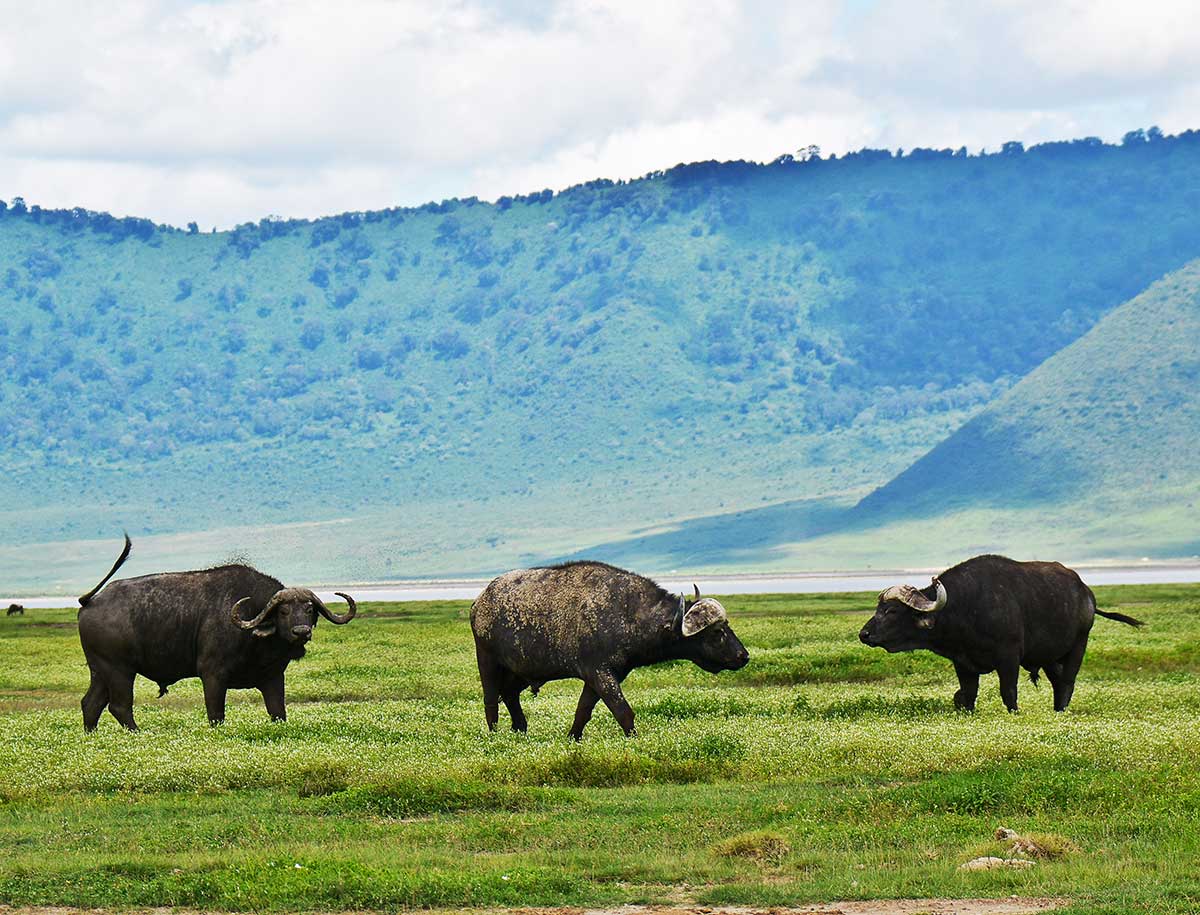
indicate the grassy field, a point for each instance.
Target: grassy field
{"x":823,"y":770}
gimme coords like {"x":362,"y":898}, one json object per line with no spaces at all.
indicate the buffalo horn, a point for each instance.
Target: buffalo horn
{"x":266,"y":611}
{"x":942,"y":596}
{"x":330,"y":615}
{"x":701,"y":615}
{"x":912,"y":597}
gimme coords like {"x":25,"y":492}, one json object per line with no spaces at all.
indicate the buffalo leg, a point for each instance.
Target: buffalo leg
{"x":489,"y":678}
{"x":94,"y":701}
{"x":1010,"y":673}
{"x":214,"y":701}
{"x":583,"y":712}
{"x":1054,"y":673}
{"x":120,"y":697}
{"x":609,"y":689}
{"x":968,"y":689}
{"x":510,"y":692}
{"x":1067,"y":671}
{"x":272,"y":693}
{"x":512,"y":701}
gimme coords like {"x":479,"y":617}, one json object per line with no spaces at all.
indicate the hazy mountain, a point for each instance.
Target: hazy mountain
{"x":464,"y":386}
{"x":1092,"y":455}
{"x":1107,"y":429}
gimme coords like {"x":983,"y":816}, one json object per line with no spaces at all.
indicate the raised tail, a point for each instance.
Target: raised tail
{"x":83,"y":601}
{"x":1120,"y":618}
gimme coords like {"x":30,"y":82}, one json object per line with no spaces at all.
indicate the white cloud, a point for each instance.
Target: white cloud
{"x":228,"y":111}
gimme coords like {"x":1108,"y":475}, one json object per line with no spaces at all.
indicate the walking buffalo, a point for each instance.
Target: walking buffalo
{"x":176,"y":625}
{"x":593,"y":622}
{"x":992,"y":613}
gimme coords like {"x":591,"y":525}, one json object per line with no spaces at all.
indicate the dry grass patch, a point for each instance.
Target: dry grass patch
{"x":761,"y":846}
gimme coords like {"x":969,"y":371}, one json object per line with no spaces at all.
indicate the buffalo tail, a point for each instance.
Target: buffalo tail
{"x":83,"y":601}
{"x":1120,"y":618}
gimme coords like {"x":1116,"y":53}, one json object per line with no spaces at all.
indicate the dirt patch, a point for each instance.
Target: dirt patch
{"x":1013,"y":905}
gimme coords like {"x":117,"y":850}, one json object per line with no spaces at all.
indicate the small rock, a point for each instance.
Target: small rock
{"x":991,"y":863}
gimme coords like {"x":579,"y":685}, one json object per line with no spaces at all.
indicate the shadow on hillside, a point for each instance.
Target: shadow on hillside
{"x":736,"y":538}
{"x":985,"y":463}
{"x":959,"y":474}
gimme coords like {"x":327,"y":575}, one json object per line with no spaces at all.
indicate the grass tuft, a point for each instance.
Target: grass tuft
{"x":761,"y":846}
{"x":318,"y":781}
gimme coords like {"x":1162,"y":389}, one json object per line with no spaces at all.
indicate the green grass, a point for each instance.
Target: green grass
{"x":823,"y":770}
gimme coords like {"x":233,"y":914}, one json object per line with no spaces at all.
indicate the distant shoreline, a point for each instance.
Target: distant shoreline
{"x":1123,"y":566}
{"x":1095,"y":573}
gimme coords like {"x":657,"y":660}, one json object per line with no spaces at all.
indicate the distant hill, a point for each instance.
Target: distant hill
{"x":463,"y":386}
{"x":1092,"y":456}
{"x":1111,"y":422}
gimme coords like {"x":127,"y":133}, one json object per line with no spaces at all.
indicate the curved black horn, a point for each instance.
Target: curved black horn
{"x":330,"y":615}
{"x":257,"y":621}
{"x":697,"y":590}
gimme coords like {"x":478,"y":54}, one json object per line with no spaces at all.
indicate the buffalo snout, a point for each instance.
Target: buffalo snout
{"x":302,"y":633}
{"x":864,"y":634}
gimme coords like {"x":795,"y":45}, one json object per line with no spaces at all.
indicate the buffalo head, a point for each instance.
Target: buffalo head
{"x":903,"y":617}
{"x":291,"y":612}
{"x":708,"y":640}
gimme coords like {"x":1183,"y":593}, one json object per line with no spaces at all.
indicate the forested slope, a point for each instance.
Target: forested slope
{"x":470,"y":385}
{"x":1114,"y":417}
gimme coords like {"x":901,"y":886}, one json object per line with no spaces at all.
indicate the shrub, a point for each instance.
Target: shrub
{"x":450,"y":344}
{"x":368,"y":358}
{"x":761,"y":846}
{"x":312,"y":335}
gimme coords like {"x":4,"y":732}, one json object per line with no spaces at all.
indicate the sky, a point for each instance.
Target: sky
{"x":227,"y":112}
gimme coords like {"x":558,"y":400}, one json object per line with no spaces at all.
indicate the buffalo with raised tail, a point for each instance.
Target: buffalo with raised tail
{"x":994,"y":614}
{"x":593,"y":622}
{"x":231,"y":626}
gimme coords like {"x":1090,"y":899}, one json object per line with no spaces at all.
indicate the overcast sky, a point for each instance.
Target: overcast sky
{"x":224,"y":112}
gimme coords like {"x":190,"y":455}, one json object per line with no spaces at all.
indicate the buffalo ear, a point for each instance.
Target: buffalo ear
{"x":263,"y":632}
{"x":926,"y":621}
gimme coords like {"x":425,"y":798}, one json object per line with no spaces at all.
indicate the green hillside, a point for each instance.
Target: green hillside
{"x":461,"y":387}
{"x":1116,"y":412}
{"x":1093,"y":455}
{"x":1104,"y":434}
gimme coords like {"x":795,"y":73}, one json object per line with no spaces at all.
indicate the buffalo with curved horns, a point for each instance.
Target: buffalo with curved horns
{"x":175,"y":625}
{"x":994,"y":613}
{"x":593,"y":622}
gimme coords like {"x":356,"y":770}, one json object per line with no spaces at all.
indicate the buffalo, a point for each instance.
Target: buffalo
{"x":993,"y":613}
{"x":15,"y":610}
{"x":594,"y":622}
{"x":176,"y":625}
